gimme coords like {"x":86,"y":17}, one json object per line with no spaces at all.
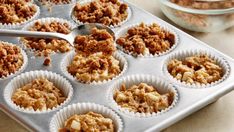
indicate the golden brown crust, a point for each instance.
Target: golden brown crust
{"x":15,"y":11}
{"x":40,"y":94}
{"x":107,"y":12}
{"x":89,"y":122}
{"x":11,"y":59}
{"x":195,"y":69}
{"x":145,"y":39}
{"x":142,"y":98}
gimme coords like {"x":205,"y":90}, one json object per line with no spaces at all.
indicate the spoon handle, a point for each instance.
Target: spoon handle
{"x":20,"y":33}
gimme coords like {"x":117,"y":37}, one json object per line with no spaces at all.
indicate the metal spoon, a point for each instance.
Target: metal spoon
{"x":84,"y":29}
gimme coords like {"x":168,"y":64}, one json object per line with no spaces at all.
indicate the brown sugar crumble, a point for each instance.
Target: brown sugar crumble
{"x":94,"y":59}
{"x":40,"y":94}
{"x":44,"y":47}
{"x":11,"y":59}
{"x":15,"y":11}
{"x":47,"y":61}
{"x":107,"y":12}
{"x":195,"y":69}
{"x":146,"y":39}
{"x":98,"y":41}
{"x":89,"y":122}
{"x":142,"y":98}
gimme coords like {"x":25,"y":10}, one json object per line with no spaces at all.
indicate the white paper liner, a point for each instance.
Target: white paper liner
{"x":83,"y":2}
{"x":122,"y":32}
{"x":25,"y":78}
{"x":161,"y":86}
{"x":69,"y":58}
{"x":52,"y":3}
{"x":61,"y":116}
{"x":181,"y":55}
{"x":21,"y":24}
{"x":43,"y":21}
{"x":24,"y":65}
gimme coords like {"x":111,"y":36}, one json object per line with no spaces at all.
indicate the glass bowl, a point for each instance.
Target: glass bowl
{"x":200,"y":20}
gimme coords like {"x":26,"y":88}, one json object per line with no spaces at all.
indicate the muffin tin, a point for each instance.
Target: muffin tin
{"x":189,"y":99}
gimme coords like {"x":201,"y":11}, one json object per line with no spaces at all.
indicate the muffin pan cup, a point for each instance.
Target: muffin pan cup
{"x":69,"y":57}
{"x":183,"y":54}
{"x":43,"y":21}
{"x":22,"y":68}
{"x":122,"y":32}
{"x":25,"y":78}
{"x":189,"y":99}
{"x":52,"y":3}
{"x":23,"y":23}
{"x":161,"y":86}
{"x":84,"y":2}
{"x":61,"y":116}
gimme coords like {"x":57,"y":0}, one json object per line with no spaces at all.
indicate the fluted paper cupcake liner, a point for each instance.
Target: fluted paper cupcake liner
{"x":181,"y":55}
{"x":160,"y":85}
{"x":21,"y":24}
{"x":69,"y":58}
{"x":43,"y":21}
{"x":122,"y":32}
{"x":25,"y":78}
{"x":48,"y":2}
{"x":83,"y":2}
{"x":61,"y":116}
{"x":22,"y":68}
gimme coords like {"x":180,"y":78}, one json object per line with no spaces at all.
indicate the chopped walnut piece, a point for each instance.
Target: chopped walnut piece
{"x":95,"y":67}
{"x":89,"y":122}
{"x":15,"y":11}
{"x":40,"y":94}
{"x":145,"y":39}
{"x":107,"y":12}
{"x":142,"y":98}
{"x":195,"y":69}
{"x":11,"y":59}
{"x":98,"y":41}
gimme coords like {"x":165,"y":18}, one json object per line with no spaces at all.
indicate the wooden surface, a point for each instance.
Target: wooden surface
{"x":217,"y":117}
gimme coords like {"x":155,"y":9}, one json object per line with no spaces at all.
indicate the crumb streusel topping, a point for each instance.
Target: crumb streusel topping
{"x":40,"y":94}
{"x":95,"y":67}
{"x":145,"y":39}
{"x":89,"y":122}
{"x":15,"y":11}
{"x":11,"y":59}
{"x":142,"y":98}
{"x":195,"y":69}
{"x":107,"y":12}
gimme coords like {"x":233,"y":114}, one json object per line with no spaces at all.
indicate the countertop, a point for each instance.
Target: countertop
{"x":216,"y":117}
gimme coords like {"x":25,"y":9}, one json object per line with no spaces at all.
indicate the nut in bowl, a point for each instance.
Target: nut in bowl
{"x":200,"y":16}
{"x":142,"y":96}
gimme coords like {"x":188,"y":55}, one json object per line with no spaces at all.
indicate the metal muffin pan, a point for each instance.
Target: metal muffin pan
{"x":190,"y":99}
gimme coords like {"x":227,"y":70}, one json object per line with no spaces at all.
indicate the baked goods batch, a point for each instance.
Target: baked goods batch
{"x":11,"y":59}
{"x":142,"y":98}
{"x":16,"y":11}
{"x":107,"y":12}
{"x":89,"y":122}
{"x":146,"y":39}
{"x":40,"y":94}
{"x":195,"y":69}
